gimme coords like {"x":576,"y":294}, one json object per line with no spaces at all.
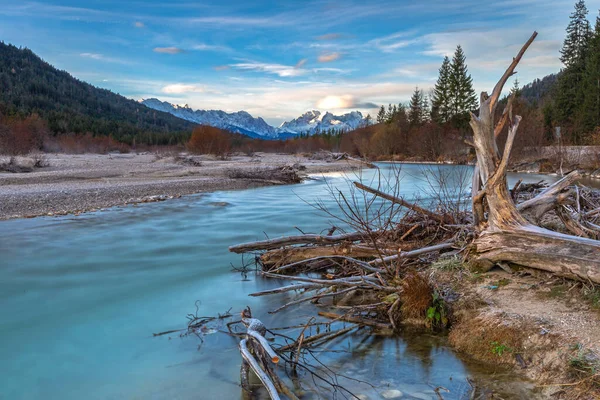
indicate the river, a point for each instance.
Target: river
{"x":81,"y":297}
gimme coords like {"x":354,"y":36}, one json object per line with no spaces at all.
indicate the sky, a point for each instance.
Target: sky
{"x":279,"y":59}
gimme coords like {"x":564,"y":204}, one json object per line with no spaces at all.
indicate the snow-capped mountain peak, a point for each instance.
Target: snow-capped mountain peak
{"x":315,"y":121}
{"x":239,"y":122}
{"x":242,"y":122}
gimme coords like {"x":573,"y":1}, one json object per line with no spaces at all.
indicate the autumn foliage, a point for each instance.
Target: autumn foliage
{"x":21,"y":136}
{"x":210,"y":140}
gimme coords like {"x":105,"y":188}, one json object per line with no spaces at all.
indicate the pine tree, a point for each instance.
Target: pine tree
{"x":390,"y":114}
{"x":516,"y":89}
{"x":415,"y":113}
{"x":440,"y":104}
{"x":426,"y":109}
{"x":462,"y":95}
{"x":578,"y":36}
{"x":570,"y":92}
{"x":588,"y":117}
{"x":381,"y":117}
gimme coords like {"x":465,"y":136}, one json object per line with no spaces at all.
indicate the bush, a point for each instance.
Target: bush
{"x":209,"y":140}
{"x":22,"y":136}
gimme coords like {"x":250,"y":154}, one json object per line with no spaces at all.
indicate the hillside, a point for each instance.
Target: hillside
{"x":536,"y":91}
{"x":30,"y":85}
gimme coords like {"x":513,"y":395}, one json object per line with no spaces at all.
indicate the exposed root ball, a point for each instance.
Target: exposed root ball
{"x":416,"y":296}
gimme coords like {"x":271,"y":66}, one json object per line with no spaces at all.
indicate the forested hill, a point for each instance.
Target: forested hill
{"x":538,"y":90}
{"x":30,"y":85}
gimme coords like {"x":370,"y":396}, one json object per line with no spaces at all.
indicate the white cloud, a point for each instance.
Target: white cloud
{"x":275,"y":69}
{"x":139,"y":24}
{"x":95,"y":56}
{"x":179,"y":88}
{"x":208,"y":47}
{"x":329,"y":57}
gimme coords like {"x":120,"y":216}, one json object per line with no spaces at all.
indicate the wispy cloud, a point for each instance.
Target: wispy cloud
{"x":275,"y":69}
{"x":103,"y":58}
{"x":209,"y":47}
{"x":334,"y":70}
{"x":221,"y":67}
{"x":329,"y":57}
{"x":168,"y":50}
{"x":300,"y":63}
{"x":392,"y":42}
{"x":179,"y":88}
{"x":139,"y":24}
{"x":234,"y":20}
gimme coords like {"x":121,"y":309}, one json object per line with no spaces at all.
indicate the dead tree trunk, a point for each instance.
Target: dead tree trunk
{"x":506,"y":236}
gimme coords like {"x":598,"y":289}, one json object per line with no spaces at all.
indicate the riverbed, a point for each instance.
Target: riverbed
{"x":81,"y":297}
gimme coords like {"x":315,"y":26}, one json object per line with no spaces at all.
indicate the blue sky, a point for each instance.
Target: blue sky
{"x":279,"y":59}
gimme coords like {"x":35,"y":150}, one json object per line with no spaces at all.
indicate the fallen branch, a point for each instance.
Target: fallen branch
{"x":402,"y":202}
{"x":253,"y":364}
{"x":413,"y":253}
{"x":355,"y":320}
{"x":292,"y":240}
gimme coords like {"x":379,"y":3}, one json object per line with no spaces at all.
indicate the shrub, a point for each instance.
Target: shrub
{"x":209,"y":140}
{"x":21,"y":136}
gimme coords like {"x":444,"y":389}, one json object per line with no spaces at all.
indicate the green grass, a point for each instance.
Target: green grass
{"x":453,"y":263}
{"x":592,"y":295}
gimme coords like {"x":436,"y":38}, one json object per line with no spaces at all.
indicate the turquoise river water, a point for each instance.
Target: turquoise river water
{"x":81,"y":296}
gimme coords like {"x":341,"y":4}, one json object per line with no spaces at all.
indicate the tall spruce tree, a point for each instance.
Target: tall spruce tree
{"x":570,"y":88}
{"x":578,"y":36}
{"x":415,"y":113}
{"x":462,"y":95}
{"x":588,"y":116}
{"x":440,"y":104}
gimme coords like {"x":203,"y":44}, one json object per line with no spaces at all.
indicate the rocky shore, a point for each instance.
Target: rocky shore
{"x":71,"y":184}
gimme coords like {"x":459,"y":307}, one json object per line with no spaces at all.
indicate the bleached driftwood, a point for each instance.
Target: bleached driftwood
{"x":506,"y":235}
{"x":293,"y":240}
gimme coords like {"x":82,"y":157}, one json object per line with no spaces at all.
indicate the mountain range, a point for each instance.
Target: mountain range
{"x":242,"y":122}
{"x":29,"y":85}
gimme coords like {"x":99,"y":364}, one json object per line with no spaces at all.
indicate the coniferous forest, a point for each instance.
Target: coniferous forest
{"x":30,"y":86}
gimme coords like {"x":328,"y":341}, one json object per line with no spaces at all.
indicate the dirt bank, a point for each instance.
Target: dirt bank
{"x":544,"y":327}
{"x":87,"y":182}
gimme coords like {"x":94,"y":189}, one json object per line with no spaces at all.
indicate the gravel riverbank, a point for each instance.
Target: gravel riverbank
{"x":88,"y":182}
